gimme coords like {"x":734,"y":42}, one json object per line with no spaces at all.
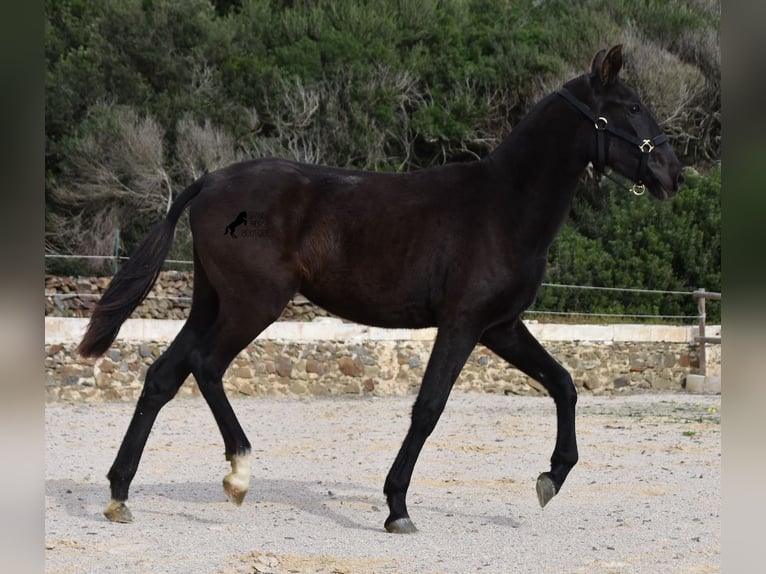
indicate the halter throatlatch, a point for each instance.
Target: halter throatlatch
{"x":646,"y":146}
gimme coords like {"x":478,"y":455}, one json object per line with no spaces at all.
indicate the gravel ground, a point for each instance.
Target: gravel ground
{"x":645,"y":497}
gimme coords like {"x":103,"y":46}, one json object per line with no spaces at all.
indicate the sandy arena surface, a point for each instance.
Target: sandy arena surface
{"x":645,"y":497}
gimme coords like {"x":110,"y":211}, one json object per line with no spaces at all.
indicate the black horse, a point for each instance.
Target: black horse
{"x":461,"y":247}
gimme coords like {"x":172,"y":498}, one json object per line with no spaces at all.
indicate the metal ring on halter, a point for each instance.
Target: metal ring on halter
{"x":601,"y":123}
{"x":638,"y":189}
{"x":646,"y":146}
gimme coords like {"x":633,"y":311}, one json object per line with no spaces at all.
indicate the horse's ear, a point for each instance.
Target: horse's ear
{"x":611,"y":65}
{"x":595,"y":63}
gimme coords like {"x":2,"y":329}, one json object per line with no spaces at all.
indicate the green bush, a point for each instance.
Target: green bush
{"x":637,"y":242}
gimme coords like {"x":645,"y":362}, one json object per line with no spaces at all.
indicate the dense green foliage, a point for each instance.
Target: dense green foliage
{"x":143,"y":95}
{"x":638,"y":243}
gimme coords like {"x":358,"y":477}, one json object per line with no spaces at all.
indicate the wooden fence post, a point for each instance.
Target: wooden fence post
{"x":701,"y":295}
{"x":701,"y":354}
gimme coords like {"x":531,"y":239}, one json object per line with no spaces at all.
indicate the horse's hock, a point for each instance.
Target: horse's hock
{"x":327,"y":357}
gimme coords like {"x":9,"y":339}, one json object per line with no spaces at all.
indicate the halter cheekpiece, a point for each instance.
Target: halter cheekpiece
{"x":646,"y":146}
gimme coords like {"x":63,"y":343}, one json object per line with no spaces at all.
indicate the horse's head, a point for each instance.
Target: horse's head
{"x":628,"y":138}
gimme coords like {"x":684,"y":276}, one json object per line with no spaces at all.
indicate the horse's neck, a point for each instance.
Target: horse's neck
{"x":538,"y":166}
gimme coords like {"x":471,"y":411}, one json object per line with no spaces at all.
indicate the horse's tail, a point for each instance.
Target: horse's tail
{"x":134,"y":280}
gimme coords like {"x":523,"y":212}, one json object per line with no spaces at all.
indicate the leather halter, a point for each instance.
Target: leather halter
{"x":603,"y":127}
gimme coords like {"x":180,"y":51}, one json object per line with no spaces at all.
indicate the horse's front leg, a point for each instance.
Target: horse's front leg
{"x":450,"y":351}
{"x":514,"y":343}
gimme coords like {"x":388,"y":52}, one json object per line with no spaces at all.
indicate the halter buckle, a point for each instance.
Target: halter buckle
{"x":638,"y":189}
{"x":601,"y":123}
{"x":646,"y":147}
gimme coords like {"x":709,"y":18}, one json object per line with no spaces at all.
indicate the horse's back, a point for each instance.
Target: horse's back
{"x":377,"y":247}
{"x":373,"y":247}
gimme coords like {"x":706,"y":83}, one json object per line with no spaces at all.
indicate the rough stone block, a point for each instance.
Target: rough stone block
{"x":621,"y":382}
{"x":350,"y":367}
{"x":298,"y":387}
{"x":242,"y":372}
{"x":695,"y":383}
{"x":712,"y":385}
{"x":107,"y":366}
{"x":312,"y":366}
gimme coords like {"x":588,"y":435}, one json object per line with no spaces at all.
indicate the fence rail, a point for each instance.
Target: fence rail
{"x":114,"y":258}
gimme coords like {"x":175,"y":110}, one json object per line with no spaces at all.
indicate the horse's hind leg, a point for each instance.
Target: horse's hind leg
{"x":514,"y":343}
{"x":163,"y":379}
{"x":238,"y":323}
{"x":209,"y":362}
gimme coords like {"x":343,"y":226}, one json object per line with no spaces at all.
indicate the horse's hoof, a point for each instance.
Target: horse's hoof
{"x":546,"y":489}
{"x":234,"y":488}
{"x":117,"y":511}
{"x":401,"y":526}
{"x":236,"y":483}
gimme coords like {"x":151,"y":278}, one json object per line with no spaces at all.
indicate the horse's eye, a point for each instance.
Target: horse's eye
{"x":635,"y":108}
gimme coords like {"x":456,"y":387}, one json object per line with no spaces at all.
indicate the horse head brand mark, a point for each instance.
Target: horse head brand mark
{"x":467,"y":245}
{"x":256,"y":225}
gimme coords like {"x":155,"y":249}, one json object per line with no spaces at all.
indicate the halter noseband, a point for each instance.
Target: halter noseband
{"x":603,"y":127}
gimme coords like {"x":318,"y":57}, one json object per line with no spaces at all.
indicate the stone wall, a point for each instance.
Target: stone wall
{"x":330,"y":358}
{"x":170,"y":298}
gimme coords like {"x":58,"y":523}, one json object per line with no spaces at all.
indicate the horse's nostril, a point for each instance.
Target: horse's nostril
{"x":680,"y":179}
